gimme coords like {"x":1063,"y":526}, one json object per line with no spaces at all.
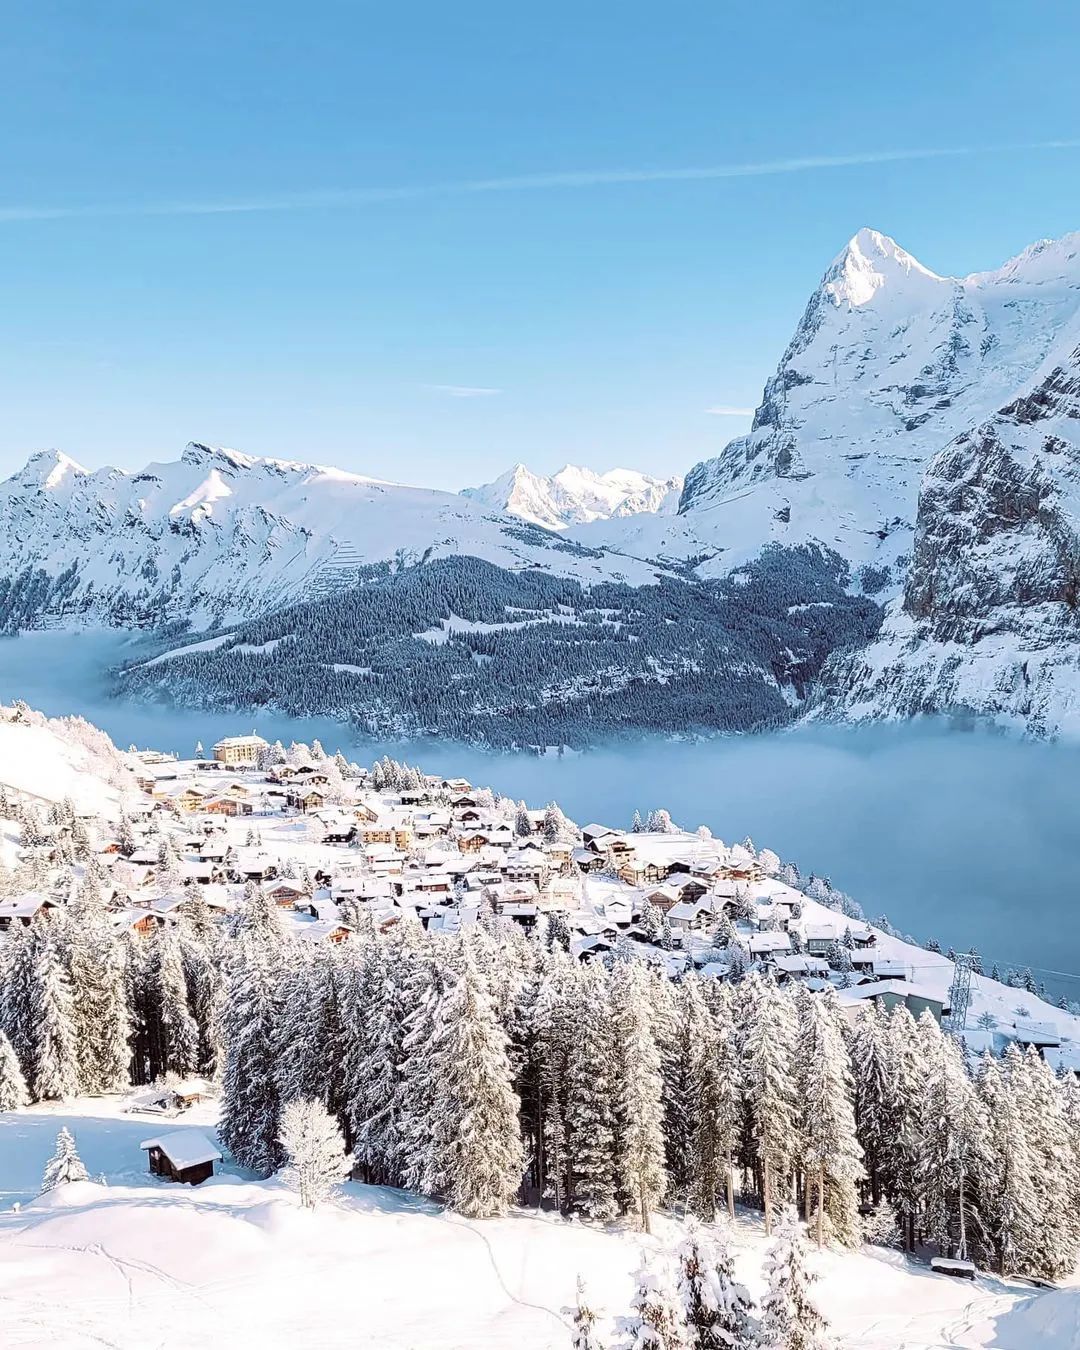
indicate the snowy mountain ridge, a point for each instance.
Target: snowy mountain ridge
{"x":900,"y":390}
{"x":576,"y":495}
{"x":221,"y":535}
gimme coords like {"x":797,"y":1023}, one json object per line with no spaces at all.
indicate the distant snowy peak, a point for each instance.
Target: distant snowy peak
{"x":577,"y":496}
{"x":888,"y":364}
{"x":870,"y":262}
{"x":221,"y":535}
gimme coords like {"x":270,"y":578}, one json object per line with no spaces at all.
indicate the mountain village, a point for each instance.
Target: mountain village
{"x":327,"y":842}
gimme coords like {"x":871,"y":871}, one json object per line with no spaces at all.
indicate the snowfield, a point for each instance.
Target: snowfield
{"x":127,"y":1261}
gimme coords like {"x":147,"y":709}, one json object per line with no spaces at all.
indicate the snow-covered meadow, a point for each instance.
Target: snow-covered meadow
{"x":128,"y":1261}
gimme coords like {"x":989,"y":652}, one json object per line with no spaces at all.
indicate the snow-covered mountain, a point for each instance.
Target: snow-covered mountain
{"x":922,"y":427}
{"x":889,"y":363}
{"x":577,"y":496}
{"x":219,"y":534}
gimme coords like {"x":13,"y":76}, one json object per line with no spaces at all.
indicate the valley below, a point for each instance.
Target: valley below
{"x":962,"y":836}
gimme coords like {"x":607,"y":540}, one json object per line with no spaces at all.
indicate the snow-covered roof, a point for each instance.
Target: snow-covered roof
{"x":184,"y":1148}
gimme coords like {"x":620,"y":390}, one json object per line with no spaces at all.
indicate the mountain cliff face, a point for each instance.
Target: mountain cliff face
{"x":989,"y":621}
{"x":218,"y":535}
{"x":889,"y":363}
{"x":577,"y":496}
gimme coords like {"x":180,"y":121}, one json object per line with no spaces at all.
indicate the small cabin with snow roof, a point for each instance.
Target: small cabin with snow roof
{"x":182,"y":1155}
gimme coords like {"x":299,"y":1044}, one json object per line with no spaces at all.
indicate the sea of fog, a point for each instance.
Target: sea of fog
{"x":963,"y":836}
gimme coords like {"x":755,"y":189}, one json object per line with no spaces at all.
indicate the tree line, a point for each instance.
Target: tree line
{"x":555,"y":663}
{"x":489,"y":1067}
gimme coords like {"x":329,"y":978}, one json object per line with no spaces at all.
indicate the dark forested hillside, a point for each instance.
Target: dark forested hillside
{"x":464,"y":649}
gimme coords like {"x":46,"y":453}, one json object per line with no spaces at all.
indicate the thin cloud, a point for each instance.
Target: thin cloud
{"x":587,"y":178}
{"x":724,"y":410}
{"x":463,"y":390}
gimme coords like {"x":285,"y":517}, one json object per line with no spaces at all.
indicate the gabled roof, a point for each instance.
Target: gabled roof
{"x":184,"y":1148}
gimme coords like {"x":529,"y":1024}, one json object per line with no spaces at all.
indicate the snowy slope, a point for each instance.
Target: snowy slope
{"x":129,"y":1262}
{"x":222,"y":534}
{"x":48,"y":759}
{"x":577,"y":496}
{"x":889,"y":363}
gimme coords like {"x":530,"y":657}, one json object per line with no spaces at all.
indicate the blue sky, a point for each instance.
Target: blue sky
{"x":387,"y":301}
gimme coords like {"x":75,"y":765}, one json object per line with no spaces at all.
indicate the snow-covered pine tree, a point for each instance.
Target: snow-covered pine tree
{"x":557,"y":829}
{"x":639,"y":1115}
{"x":873,"y":1071}
{"x":313,"y":1144}
{"x":65,"y":1164}
{"x":302,"y":1061}
{"x":768,"y":1062}
{"x":54,"y":1072}
{"x":830,"y":1153}
{"x":589,"y":1087}
{"x":555,"y":1033}
{"x":180,"y":1031}
{"x":714,"y":1104}
{"x":717,"y":1310}
{"x":952,"y":1140}
{"x":789,"y":1318}
{"x":656,"y":1321}
{"x":585,"y":1335}
{"x":199,"y":947}
{"x":1039,"y":1103}
{"x":99,"y":995}
{"x":1009,"y":1204}
{"x":17,"y":1009}
{"x":259,"y":918}
{"x":13,"y":1090}
{"x":372,"y":1056}
{"x":250,"y":1102}
{"x":900,"y":1163}
{"x":476,"y":1139}
{"x":427,"y":976}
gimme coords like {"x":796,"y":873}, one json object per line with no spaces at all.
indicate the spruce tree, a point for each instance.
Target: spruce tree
{"x":1010,"y":1205}
{"x":250,"y":1102}
{"x":951,"y":1142}
{"x":102,"y":1019}
{"x":476,"y":1135}
{"x":373,"y":1058}
{"x":717,"y":1309}
{"x":589,"y":1100}
{"x":831,"y":1157}
{"x":873,"y":1071}
{"x":656,"y":1321}
{"x":714,"y":1105}
{"x":789,"y":1318}
{"x":54,"y":1072}
{"x":65,"y":1164}
{"x":769,"y":1087}
{"x":13,"y":1089}
{"x":180,"y":1031}
{"x":585,"y":1336}
{"x":642,"y":1177}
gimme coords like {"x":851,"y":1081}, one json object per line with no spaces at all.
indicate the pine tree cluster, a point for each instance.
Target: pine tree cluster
{"x":490,"y":1066}
{"x":541,"y":660}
